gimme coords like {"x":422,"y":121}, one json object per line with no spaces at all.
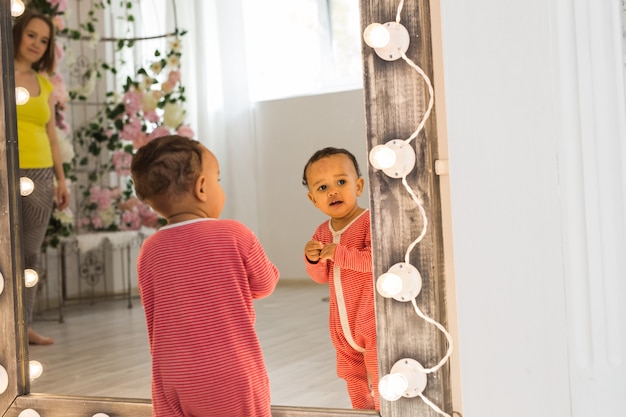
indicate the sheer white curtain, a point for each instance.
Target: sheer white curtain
{"x":218,"y":107}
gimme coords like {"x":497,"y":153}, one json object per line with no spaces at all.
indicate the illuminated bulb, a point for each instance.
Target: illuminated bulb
{"x":21,"y":95}
{"x":389,"y":41}
{"x":389,"y":284}
{"x":1,"y":283}
{"x":17,"y":8}
{"x":26,"y":186}
{"x":376,"y":35}
{"x":35,"y":369}
{"x":395,"y":158}
{"x":4,"y":380}
{"x":406,"y":379}
{"x":393,"y":386}
{"x":30,"y":277}
{"x":29,"y":412}
{"x":402,"y":282}
{"x":383,"y":157}
{"x":100,"y":415}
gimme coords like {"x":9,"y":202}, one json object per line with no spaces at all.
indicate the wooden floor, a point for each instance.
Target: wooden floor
{"x":102,"y":349}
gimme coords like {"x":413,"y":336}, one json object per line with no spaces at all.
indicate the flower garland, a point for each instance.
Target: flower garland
{"x":150,"y":105}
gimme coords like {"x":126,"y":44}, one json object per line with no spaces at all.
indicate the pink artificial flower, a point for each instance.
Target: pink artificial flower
{"x":103,"y":197}
{"x":131,"y":129}
{"x":151,"y":116}
{"x":129,"y":204}
{"x":61,"y":4}
{"x":121,"y":162}
{"x":174,"y":77}
{"x":83,"y":222}
{"x":186,"y":131}
{"x":132,"y":102}
{"x":61,"y":122}
{"x":148,"y":216}
{"x":96,"y":222}
{"x":110,"y":132}
{"x":59,"y":94}
{"x":158,"y":132}
{"x":94,"y":193}
{"x":59,"y":53}
{"x":168,"y":86}
{"x":130,"y":220}
{"x":59,"y":22}
{"x":140,"y":140}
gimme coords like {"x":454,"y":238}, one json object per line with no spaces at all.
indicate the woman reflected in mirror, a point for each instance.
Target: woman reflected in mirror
{"x":39,"y":155}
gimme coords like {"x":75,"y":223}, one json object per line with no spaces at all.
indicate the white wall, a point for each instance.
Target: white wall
{"x":536,"y":125}
{"x":288,"y":132}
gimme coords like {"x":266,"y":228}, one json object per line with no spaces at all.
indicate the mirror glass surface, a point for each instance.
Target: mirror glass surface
{"x":101,"y":341}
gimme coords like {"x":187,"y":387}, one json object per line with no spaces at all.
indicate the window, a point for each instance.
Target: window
{"x":301,"y":47}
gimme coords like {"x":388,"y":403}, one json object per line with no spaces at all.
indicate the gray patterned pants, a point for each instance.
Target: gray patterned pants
{"x":36,"y":211}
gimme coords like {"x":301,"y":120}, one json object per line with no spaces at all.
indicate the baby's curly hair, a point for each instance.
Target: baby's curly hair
{"x":166,"y":168}
{"x":323,"y":153}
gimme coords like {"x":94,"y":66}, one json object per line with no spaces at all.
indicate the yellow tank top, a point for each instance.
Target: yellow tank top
{"x":32,"y":135}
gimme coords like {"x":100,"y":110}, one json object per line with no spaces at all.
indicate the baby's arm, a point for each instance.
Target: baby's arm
{"x":262,"y":273}
{"x":354,"y":252}
{"x":318,"y":271}
{"x":354,"y":258}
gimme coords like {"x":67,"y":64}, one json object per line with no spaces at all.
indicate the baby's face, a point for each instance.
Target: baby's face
{"x":334,"y":185}
{"x":211,"y":171}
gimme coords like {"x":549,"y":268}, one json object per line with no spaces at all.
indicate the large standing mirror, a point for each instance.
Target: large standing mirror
{"x":393,"y":223}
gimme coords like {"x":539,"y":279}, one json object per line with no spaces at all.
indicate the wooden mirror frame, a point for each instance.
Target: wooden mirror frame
{"x":395,"y":100}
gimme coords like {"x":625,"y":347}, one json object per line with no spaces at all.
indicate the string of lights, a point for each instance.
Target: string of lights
{"x":396,"y":158}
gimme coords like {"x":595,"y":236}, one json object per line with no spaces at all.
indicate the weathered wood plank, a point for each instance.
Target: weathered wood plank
{"x":396,"y":98}
{"x":61,"y":406}
{"x":13,"y":354}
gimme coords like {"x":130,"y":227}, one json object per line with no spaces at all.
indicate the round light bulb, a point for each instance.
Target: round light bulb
{"x":30,"y":277}
{"x":402,"y":282}
{"x":395,"y":158}
{"x":405,"y":379}
{"x":26,"y":186}
{"x":29,"y":412}
{"x":376,"y":35}
{"x":396,"y":45}
{"x":17,"y":8}
{"x":1,"y":283}
{"x":100,"y":415}
{"x":4,"y":380}
{"x":21,"y":95}
{"x":35,"y":369}
{"x":389,"y":285}
{"x":382,"y":157}
{"x":391,"y":387}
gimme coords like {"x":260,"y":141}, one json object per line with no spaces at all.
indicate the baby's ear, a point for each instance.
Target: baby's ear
{"x":360,"y":183}
{"x":200,"y":190}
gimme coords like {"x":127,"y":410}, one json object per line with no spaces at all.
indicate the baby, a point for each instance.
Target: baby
{"x":198,"y":277}
{"x":340,"y":254}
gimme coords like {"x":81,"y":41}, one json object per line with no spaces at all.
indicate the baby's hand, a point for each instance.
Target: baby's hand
{"x":328,"y":252}
{"x":312,"y":250}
